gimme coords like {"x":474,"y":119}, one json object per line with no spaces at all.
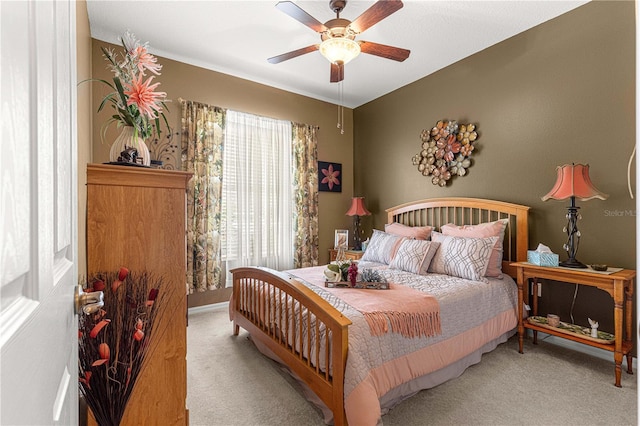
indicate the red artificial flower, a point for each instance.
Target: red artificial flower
{"x":122,"y":273}
{"x":98,"y":285}
{"x":99,"y":326}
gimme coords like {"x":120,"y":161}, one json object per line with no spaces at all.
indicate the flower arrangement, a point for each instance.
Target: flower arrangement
{"x":342,"y":271}
{"x":345,"y":273}
{"x":446,"y":151}
{"x":115,"y":342}
{"x":133,"y":99}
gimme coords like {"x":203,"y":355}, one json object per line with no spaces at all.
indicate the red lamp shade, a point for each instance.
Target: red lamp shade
{"x":573,"y":181}
{"x":358,"y":208}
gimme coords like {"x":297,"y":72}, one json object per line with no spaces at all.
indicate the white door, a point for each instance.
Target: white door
{"x":38,"y":219}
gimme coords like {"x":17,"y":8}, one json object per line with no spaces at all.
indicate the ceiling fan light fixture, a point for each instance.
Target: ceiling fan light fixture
{"x":339,"y":49}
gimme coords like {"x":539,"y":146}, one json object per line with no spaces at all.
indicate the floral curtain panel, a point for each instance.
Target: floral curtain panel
{"x":305,"y":160}
{"x":202,"y":142}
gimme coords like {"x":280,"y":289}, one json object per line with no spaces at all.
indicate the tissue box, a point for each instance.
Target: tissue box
{"x":542,"y":259}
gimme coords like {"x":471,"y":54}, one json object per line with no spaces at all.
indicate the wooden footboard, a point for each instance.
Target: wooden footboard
{"x":300,"y":327}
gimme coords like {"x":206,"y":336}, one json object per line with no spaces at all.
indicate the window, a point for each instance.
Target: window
{"x":257,"y":193}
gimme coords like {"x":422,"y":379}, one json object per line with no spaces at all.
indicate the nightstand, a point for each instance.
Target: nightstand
{"x":620,"y":286}
{"x":348,"y":254}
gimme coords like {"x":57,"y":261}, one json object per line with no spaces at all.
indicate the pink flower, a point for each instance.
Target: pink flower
{"x":146,"y":60}
{"x":330,"y":177}
{"x":142,"y":95}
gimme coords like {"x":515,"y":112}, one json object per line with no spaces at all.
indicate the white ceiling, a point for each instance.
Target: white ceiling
{"x":237,"y":37}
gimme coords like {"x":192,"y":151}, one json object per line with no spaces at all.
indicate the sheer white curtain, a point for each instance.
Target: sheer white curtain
{"x":257,"y":193}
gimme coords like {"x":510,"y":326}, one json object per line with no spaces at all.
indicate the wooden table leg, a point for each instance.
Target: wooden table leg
{"x":534,"y":294}
{"x":519,"y":281}
{"x":618,"y":311}
{"x":628,"y":312}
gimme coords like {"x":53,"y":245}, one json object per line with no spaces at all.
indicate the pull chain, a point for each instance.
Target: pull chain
{"x":341,"y":108}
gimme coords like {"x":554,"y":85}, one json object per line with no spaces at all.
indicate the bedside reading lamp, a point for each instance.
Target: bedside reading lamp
{"x":357,"y":209}
{"x":573,"y":182}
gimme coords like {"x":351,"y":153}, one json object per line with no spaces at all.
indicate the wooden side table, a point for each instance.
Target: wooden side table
{"x":619,"y":285}
{"x":348,"y":254}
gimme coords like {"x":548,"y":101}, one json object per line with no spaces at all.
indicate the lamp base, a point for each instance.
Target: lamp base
{"x":357,"y":242}
{"x":573,"y":263}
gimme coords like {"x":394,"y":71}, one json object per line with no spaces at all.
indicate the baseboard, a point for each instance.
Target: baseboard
{"x":209,"y":308}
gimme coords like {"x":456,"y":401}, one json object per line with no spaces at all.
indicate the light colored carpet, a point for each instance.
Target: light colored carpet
{"x":230,"y":383}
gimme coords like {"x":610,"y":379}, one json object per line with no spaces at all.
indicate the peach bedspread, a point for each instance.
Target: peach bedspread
{"x":406,"y":311}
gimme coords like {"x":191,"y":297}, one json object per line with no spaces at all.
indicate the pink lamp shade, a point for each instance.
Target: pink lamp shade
{"x":573,"y":181}
{"x":358,"y":208}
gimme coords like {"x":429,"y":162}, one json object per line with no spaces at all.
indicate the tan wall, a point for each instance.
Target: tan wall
{"x":189,"y":82}
{"x":83,"y":52}
{"x":561,"y":92}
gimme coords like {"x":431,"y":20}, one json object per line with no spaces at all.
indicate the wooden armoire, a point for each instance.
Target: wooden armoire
{"x":136,"y":217}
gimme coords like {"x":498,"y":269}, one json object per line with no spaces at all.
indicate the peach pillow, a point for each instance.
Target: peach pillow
{"x":414,"y":232}
{"x":483,"y":230}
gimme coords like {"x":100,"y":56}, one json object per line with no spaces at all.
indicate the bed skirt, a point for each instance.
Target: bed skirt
{"x":404,"y":391}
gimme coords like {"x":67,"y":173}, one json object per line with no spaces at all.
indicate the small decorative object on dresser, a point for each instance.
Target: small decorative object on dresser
{"x":129,"y":149}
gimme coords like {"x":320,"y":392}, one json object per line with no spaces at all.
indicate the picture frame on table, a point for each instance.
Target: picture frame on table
{"x":341,"y":239}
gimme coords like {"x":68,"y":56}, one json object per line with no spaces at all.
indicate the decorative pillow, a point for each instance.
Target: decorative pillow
{"x":414,"y":256}
{"x":382,"y":247}
{"x":483,"y":230}
{"x":462,"y":257}
{"x":414,"y":232}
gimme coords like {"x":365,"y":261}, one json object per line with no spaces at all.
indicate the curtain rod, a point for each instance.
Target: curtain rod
{"x":181,"y":100}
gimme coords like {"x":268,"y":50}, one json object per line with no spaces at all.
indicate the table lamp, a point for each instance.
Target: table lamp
{"x":573,"y":182}
{"x":357,"y":209}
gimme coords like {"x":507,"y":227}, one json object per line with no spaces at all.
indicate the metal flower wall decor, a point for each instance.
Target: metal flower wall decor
{"x":446,"y":151}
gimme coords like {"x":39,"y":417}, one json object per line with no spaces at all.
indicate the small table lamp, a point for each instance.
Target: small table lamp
{"x":357,"y":209}
{"x":573,"y":181}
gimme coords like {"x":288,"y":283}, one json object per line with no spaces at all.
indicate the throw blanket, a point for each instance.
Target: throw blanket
{"x":410,"y":312}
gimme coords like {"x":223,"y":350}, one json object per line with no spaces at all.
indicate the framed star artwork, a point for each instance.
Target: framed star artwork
{"x":329,"y":176}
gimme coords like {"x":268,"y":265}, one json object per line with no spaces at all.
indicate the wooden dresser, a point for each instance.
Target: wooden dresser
{"x":136,"y":217}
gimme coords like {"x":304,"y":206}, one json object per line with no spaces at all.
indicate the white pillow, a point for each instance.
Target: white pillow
{"x":414,"y":256}
{"x":462,"y":257}
{"x":382,"y":247}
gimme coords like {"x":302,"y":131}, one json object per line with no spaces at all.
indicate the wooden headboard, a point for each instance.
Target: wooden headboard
{"x":470,"y":211}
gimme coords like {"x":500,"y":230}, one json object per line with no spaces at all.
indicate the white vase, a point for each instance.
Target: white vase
{"x":127,"y":139}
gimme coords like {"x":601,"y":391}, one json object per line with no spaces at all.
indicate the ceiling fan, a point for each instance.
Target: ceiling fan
{"x":338,"y":35}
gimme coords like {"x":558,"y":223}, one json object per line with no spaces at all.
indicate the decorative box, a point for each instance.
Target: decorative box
{"x":542,"y":259}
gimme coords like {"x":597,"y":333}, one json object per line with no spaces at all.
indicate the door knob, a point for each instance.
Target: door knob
{"x":89,"y":303}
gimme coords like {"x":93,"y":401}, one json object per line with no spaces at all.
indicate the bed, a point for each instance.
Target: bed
{"x":355,"y":375}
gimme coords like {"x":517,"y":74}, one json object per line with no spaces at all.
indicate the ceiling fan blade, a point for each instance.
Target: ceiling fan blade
{"x":389,"y":52}
{"x":337,"y":72}
{"x":375,"y":14}
{"x":300,"y":15}
{"x":293,"y":54}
